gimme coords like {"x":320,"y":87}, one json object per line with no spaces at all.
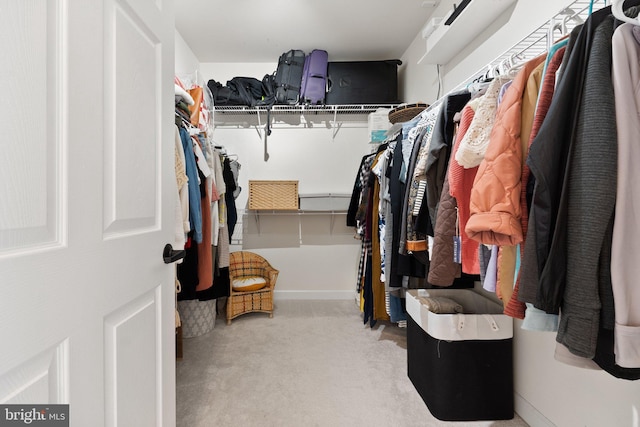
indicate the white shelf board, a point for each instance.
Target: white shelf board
{"x":446,"y":41}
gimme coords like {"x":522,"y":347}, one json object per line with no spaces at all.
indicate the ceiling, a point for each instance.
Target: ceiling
{"x":261,"y":30}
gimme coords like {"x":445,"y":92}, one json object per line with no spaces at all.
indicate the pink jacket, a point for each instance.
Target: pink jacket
{"x":495,"y":197}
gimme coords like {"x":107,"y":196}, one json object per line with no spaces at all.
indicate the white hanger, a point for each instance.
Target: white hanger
{"x":553,"y":26}
{"x":618,"y":12}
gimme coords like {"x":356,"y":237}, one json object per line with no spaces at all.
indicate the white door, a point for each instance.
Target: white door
{"x":86,"y":206}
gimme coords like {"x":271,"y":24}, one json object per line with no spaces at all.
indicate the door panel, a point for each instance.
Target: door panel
{"x":41,"y":379}
{"x":86,"y":206}
{"x":32,"y":86}
{"x":133,"y":134}
{"x":132,"y":352}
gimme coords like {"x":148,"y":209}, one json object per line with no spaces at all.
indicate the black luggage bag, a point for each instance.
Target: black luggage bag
{"x":363,"y":82}
{"x":289,"y":77}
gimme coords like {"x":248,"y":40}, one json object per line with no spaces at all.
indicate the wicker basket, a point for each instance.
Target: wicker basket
{"x":273,"y":195}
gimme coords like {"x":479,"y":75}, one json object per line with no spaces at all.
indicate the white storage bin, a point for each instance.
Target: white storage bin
{"x":325,"y":202}
{"x":482,"y":318}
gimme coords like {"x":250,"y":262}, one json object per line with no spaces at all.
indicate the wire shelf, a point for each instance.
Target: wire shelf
{"x":301,"y":109}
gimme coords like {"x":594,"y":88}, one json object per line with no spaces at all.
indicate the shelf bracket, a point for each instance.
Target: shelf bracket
{"x":259,"y":126}
{"x":334,"y":124}
{"x":333,"y":221}
{"x":257,"y":217}
{"x":266,"y":151}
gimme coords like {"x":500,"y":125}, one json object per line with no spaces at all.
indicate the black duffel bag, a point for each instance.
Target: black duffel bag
{"x":238,"y":91}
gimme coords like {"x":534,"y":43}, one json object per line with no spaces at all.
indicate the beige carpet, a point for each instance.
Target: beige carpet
{"x":313,"y":364}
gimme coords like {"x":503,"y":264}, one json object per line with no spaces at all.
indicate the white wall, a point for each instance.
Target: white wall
{"x":316,"y":254}
{"x":187,"y":66}
{"x":547,"y":392}
{"x":222,"y":72}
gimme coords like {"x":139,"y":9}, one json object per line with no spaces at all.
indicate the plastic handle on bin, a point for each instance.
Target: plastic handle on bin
{"x":492,"y":322}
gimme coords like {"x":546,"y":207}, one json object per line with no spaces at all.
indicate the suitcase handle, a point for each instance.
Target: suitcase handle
{"x":329,"y":84}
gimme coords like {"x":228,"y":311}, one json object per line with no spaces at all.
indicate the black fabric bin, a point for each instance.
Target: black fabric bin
{"x":363,"y":82}
{"x":461,"y":380}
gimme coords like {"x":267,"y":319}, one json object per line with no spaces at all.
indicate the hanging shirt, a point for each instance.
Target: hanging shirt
{"x":625,"y":269}
{"x":195,"y":212}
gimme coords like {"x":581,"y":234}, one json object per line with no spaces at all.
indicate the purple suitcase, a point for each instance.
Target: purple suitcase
{"x":314,"y":77}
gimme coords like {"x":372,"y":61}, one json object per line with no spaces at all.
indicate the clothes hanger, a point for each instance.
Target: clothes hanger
{"x":513,"y":64}
{"x":504,"y":66}
{"x":188,"y":125}
{"x":555,"y":25}
{"x":618,"y":13}
{"x":477,"y":87}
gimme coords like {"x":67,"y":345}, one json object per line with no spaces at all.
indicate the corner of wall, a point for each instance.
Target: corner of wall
{"x":186,"y":62}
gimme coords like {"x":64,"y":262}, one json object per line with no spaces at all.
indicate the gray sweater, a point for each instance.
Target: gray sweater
{"x":591,"y":190}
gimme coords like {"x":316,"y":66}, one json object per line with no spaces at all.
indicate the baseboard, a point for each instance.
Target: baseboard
{"x":313,"y":295}
{"x":529,"y":413}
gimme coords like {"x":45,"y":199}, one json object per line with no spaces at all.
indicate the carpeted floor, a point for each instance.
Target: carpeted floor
{"x":313,"y":364}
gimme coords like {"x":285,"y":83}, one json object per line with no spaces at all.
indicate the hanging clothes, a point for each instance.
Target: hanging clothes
{"x":473,"y":145}
{"x":460,"y":184}
{"x":377,"y":285}
{"x":495,"y":198}
{"x":195,"y":210}
{"x":356,"y":215}
{"x":231,"y":185}
{"x":625,"y":239}
{"x":548,"y":160}
{"x":182,"y":226}
{"x":544,"y":100}
{"x":409,"y":231}
{"x":542,"y":195}
{"x":440,"y":149}
{"x":444,"y":269}
{"x":403,"y":266}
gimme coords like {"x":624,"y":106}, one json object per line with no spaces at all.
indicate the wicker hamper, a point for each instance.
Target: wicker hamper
{"x":273,"y":195}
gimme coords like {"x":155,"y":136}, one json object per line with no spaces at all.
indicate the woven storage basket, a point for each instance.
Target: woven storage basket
{"x":405,"y":112}
{"x":273,"y":195}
